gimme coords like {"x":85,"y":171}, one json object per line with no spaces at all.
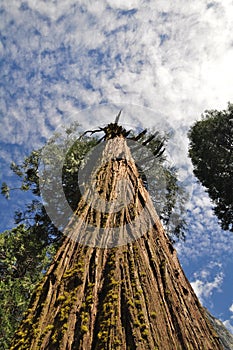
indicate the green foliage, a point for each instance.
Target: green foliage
{"x":5,"y":190}
{"x":23,"y":260}
{"x":211,"y":152}
{"x":161,"y":179}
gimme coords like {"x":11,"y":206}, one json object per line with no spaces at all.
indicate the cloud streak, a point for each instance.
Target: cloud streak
{"x":204,"y":289}
{"x":69,"y":56}
{"x":229,"y":323}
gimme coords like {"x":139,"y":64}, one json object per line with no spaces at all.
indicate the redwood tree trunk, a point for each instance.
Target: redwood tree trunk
{"x":114,"y":288}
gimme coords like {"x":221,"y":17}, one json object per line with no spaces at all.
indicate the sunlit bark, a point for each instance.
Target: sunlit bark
{"x":130,"y":296}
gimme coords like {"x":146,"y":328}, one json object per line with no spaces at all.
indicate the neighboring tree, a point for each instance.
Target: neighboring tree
{"x":114,"y":296}
{"x":23,"y":258}
{"x":211,"y":152}
{"x":39,"y":238}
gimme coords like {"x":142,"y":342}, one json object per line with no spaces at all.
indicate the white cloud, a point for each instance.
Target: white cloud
{"x":121,"y":4}
{"x":228,"y":325}
{"x":171,"y":72}
{"x":204,"y":289}
{"x":231,"y":308}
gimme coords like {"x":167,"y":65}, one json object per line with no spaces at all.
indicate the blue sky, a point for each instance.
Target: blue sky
{"x":163,"y":63}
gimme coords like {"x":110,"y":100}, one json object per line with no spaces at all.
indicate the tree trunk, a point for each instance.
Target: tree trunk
{"x":116,"y":282}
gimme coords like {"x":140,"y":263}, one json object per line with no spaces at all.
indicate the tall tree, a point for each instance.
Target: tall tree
{"x":122,"y":287}
{"x":35,"y":228}
{"x":211,"y":152}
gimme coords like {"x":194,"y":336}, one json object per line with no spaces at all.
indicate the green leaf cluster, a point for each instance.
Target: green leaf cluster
{"x":211,"y":152}
{"x":23,"y":258}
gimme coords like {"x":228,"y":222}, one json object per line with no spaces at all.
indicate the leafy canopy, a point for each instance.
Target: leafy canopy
{"x":211,"y":152}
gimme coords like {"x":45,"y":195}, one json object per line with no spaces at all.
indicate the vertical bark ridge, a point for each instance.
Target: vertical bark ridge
{"x":133,"y":296}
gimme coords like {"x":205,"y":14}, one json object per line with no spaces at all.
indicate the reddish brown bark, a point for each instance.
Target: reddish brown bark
{"x":133,"y":296}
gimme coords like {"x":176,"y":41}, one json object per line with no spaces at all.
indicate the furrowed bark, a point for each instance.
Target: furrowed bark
{"x":131,"y":296}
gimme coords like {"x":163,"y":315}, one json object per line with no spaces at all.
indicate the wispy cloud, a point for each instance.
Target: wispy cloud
{"x":66,"y":56}
{"x":205,"y":282}
{"x":229,"y":323}
{"x":204,"y":289}
{"x":231,"y":309}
